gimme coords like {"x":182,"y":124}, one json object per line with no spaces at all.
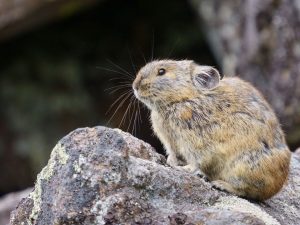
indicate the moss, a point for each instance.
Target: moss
{"x":76,"y":167}
{"x":61,"y":153}
{"x":58,"y":155}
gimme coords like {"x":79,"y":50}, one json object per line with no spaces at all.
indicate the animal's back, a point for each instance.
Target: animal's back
{"x":252,"y":141}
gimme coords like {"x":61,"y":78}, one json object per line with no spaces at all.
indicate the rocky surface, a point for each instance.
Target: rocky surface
{"x":105,"y":176}
{"x":9,"y":203}
{"x":259,"y":41}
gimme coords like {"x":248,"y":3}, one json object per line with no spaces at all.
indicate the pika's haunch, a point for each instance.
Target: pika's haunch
{"x":222,"y":127}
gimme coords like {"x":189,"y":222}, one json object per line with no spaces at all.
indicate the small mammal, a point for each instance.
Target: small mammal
{"x":222,"y":127}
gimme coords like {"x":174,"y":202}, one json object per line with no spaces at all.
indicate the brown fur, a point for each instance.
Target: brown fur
{"x":225,"y":128}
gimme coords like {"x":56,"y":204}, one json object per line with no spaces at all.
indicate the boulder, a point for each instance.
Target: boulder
{"x":106,"y":176}
{"x":9,"y":202}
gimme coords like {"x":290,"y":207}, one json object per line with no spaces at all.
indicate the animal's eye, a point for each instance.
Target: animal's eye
{"x":161,"y":72}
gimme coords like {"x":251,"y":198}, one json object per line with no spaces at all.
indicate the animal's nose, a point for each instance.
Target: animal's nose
{"x":136,"y":83}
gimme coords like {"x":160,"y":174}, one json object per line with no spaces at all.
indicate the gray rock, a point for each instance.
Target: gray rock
{"x":9,"y":202}
{"x":105,"y":176}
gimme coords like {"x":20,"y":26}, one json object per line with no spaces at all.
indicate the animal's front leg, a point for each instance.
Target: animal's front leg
{"x":224,"y":186}
{"x":191,"y":168}
{"x":172,"y":160}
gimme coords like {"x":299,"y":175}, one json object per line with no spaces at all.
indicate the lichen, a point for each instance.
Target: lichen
{"x":76,"y":166}
{"x":58,"y":155}
{"x":101,"y":207}
{"x":244,"y":206}
{"x":61,"y":153}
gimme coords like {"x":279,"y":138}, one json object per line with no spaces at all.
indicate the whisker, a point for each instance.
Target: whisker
{"x":119,"y":106}
{"x":121,"y":84}
{"x":131,"y":117}
{"x":135,"y":119}
{"x":174,"y":46}
{"x":125,"y":82}
{"x":143,"y":55}
{"x":140,"y":116}
{"x":152,"y":49}
{"x":133,"y":124}
{"x":114,"y":71}
{"x":119,"y":67}
{"x":125,"y":114}
{"x":117,"y":87}
{"x":123,"y":79}
{"x":131,"y":60}
{"x":120,"y":97}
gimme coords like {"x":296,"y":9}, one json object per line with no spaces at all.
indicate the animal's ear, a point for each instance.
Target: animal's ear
{"x":205,"y":77}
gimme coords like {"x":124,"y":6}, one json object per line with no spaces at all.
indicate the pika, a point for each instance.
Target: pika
{"x":222,"y":127}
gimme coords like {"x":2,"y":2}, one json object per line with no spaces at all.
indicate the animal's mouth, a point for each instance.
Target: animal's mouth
{"x":139,"y":96}
{"x":143,"y":99}
{"x":138,"y":90}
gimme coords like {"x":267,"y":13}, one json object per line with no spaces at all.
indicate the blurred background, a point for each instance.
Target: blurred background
{"x":61,"y":62}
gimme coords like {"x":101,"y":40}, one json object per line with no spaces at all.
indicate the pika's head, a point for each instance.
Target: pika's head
{"x":169,"y":81}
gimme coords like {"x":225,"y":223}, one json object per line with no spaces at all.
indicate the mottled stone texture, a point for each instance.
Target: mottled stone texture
{"x":9,"y":203}
{"x":259,"y":41}
{"x":105,"y":176}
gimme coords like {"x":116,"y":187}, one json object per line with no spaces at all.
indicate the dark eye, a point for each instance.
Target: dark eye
{"x":161,"y":72}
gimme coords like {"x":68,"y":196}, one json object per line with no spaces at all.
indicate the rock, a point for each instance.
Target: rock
{"x":9,"y":202}
{"x":105,"y":176}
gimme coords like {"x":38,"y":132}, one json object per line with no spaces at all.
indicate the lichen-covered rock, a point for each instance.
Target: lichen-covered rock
{"x":105,"y":176}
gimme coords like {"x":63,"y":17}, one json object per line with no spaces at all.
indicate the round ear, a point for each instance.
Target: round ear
{"x":205,"y":77}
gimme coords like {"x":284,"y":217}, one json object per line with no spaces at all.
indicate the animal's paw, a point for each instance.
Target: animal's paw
{"x":172,"y":161}
{"x":223,"y":186}
{"x":216,"y":184}
{"x":200,"y":174}
{"x":188,"y":168}
{"x":226,"y":187}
